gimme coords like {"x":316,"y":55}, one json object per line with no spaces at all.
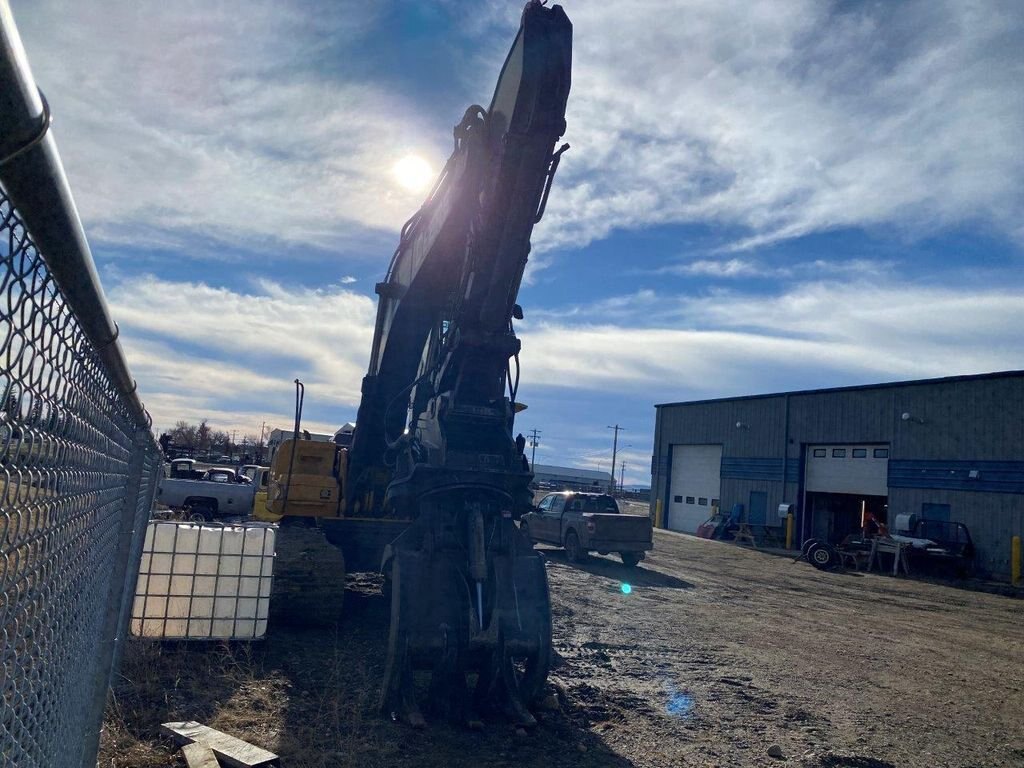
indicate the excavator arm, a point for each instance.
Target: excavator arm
{"x":434,"y":440}
{"x":443,"y":338}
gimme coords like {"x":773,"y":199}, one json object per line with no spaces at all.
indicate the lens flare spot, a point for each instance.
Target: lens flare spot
{"x":626,"y":589}
{"x":679,"y":705}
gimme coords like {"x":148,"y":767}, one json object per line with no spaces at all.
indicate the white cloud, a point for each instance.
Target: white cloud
{"x":719,"y":268}
{"x":197,"y":350}
{"x":779,"y":118}
{"x":819,"y":334}
{"x":186,"y":119}
{"x":792,"y":117}
{"x":748,"y":267}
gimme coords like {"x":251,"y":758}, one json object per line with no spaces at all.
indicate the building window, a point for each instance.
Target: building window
{"x":820,"y":453}
{"x":678,"y":499}
{"x":716,"y":502}
{"x":931,"y":511}
{"x":690,"y":500}
{"x":838,"y":453}
{"x":881,"y":453}
{"x":860,"y":453}
{"x":702,"y":501}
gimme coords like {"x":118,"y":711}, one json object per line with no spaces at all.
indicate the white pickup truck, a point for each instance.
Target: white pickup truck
{"x":220,"y":492}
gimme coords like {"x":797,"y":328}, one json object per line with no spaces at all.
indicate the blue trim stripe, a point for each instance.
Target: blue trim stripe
{"x":993,"y":476}
{"x":751,"y":468}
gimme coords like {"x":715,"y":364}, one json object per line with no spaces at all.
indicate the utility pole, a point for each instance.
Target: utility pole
{"x":534,"y":441}
{"x":615,"y":450}
{"x":622,"y":475}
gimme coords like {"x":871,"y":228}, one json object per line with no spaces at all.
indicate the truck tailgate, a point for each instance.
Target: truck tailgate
{"x":625,"y":528}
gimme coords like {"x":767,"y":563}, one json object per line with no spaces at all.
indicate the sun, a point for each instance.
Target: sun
{"x":414,"y":173}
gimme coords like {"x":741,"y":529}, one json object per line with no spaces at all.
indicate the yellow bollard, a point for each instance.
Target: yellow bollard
{"x":1015,"y":560}
{"x":657,"y":513}
{"x":789,"y":531}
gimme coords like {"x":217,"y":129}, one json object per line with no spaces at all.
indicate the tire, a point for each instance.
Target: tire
{"x":807,"y":546}
{"x":631,"y":559}
{"x":823,"y":557}
{"x":573,"y":552}
{"x":524,"y":529}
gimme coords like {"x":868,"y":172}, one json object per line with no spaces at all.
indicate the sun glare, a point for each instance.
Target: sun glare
{"x":414,"y":173}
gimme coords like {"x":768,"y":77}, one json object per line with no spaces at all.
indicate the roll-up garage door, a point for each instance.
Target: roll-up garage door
{"x":696,"y":485}
{"x":854,"y":469}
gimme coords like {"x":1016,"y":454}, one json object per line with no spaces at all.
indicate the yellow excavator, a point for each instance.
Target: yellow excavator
{"x":429,"y":490}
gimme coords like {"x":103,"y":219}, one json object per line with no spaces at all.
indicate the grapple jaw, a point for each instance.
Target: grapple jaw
{"x":493,"y":661}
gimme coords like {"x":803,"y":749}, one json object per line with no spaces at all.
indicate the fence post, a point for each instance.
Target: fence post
{"x":137,"y":493}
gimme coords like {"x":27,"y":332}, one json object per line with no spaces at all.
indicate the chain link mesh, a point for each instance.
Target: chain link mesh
{"x":77,"y":477}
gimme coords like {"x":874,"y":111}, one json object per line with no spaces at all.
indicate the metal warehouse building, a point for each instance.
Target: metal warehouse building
{"x":571,"y":477}
{"x":949,"y":449}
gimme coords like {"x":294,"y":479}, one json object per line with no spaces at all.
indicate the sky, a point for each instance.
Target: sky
{"x":759,"y":196}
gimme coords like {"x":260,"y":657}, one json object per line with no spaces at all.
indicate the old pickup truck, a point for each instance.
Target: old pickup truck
{"x":219,"y":492}
{"x":588,"y":522}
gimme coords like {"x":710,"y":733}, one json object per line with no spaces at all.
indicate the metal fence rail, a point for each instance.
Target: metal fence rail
{"x":78,"y":463}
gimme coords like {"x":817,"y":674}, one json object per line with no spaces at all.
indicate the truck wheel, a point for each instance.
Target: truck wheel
{"x":823,"y":557}
{"x":198,"y":510}
{"x":573,"y":552}
{"x":630,"y":559}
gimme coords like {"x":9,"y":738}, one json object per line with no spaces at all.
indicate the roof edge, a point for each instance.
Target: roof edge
{"x":854,"y":388}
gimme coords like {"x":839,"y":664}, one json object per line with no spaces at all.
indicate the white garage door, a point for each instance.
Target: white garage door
{"x":860,"y":469}
{"x":696,"y":485}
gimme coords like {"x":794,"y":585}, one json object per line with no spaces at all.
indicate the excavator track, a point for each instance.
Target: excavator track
{"x":309,"y":578}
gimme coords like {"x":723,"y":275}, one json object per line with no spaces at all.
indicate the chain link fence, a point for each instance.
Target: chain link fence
{"x":78,"y":463}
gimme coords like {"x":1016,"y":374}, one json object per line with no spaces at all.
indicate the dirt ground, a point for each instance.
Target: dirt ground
{"x":715,"y":656}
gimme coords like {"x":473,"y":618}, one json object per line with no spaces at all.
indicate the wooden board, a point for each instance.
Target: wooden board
{"x":231,"y":751}
{"x":199,"y":756}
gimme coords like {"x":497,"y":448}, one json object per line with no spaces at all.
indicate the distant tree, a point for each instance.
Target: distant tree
{"x":203,"y":433}
{"x":220,"y":441}
{"x":185,"y":435}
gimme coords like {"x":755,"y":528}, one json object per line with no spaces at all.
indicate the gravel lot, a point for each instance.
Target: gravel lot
{"x":717,"y":655}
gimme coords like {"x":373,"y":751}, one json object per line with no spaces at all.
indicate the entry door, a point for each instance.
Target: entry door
{"x":696,"y":483}
{"x":757,"y":512}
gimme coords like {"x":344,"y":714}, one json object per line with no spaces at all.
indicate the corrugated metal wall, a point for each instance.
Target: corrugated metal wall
{"x":955,"y":425}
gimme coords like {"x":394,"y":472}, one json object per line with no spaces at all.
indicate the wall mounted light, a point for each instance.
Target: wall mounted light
{"x":741,"y":425}
{"x":907,"y":416}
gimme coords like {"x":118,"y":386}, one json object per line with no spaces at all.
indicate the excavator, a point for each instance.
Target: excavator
{"x":430,"y":487}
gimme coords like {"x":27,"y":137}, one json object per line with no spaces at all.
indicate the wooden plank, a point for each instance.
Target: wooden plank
{"x":231,"y":751}
{"x":199,"y":756}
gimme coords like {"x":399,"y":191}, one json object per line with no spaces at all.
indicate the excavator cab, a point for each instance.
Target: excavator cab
{"x":306,"y":479}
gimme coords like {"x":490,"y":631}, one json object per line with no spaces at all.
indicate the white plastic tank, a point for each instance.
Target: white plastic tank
{"x":200,"y":581}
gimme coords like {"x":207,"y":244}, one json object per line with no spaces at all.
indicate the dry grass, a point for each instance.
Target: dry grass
{"x":310,"y":696}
